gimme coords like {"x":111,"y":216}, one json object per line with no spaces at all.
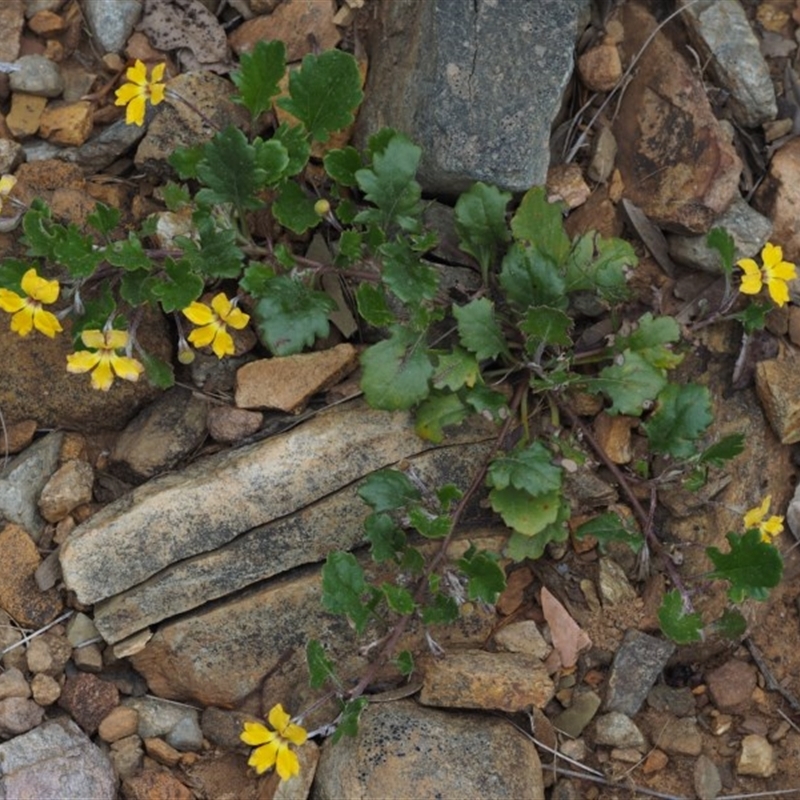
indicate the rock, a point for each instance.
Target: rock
{"x":731,"y":685}
{"x":223,"y":727}
{"x":287,"y":383}
{"x":678,"y":701}
{"x":25,"y":115}
{"x":749,"y":229}
{"x":88,"y":700}
{"x":580,"y":713}
{"x":12,"y":20}
{"x":676,"y":736}
{"x":107,"y":146}
{"x":18,"y":715}
{"x":45,"y":690}
{"x":722,"y":35}
{"x":179,"y":725}
{"x":122,"y":721}
{"x":603,"y":157}
{"x":618,"y":730}
{"x":160,"y":751}
{"x":88,"y":658}
{"x":19,"y":595}
{"x":10,"y":638}
{"x":13,"y":684}
{"x":293,"y":22}
{"x":228,"y":425}
{"x":513,"y":595}
{"x":112,"y":21}
{"x":440,"y":75}
{"x":477,"y":679}
{"x":11,"y":156}
{"x":707,"y":782}
{"x":48,"y":654}
{"x":56,"y":760}
{"x":36,"y":75}
{"x":206,"y":507}
{"x":151,"y":785}
{"x":81,"y":629}
{"x":757,"y":757}
{"x":676,"y":161}
{"x":778,"y":387}
{"x":68,"y":124}
{"x":23,"y":479}
{"x":613,"y":434}
{"x":523,"y":637}
{"x":127,"y":756}
{"x":600,"y":67}
{"x":69,"y":487}
{"x":778,"y":197}
{"x":401,"y":745}
{"x":637,"y":664}
{"x":47,"y":24}
{"x":615,"y":588}
{"x":168,"y":430}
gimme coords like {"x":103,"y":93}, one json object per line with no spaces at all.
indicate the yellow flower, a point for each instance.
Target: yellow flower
{"x":139,"y":90}
{"x":103,"y":360}
{"x":7,"y":183}
{"x":214,"y":321}
{"x":769,"y":528}
{"x":274,"y":745}
{"x":774,"y":274}
{"x":28,"y":312}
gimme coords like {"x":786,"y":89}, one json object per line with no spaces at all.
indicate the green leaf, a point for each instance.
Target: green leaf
{"x":398,"y":598}
{"x":480,"y":220}
{"x":448,"y":494}
{"x":390,"y":186}
{"x":259,"y":75}
{"x":530,"y":278}
{"x":520,"y":546}
{"x":732,"y":624}
{"x":410,"y":279}
{"x":724,"y":450}
{"x":478,"y":329}
{"x":523,"y":513}
{"x":181,"y":287}
{"x":103,"y":219}
{"x":442,"y":610}
{"x":486,"y":579}
{"x":404,"y":662}
{"x":11,"y":272}
{"x":599,"y":265}
{"x":324,"y":93}
{"x":683,"y":412}
{"x":530,"y":469}
{"x":271,"y":158}
{"x":291,"y":316}
{"x":175,"y":196}
{"x":294,"y":209}
{"x":96,"y":312}
{"x":343,"y":586}
{"x":388,"y":490}
{"x":185,"y":161}
{"x":435,"y":413}
{"x":348,"y":721}
{"x":342,"y":165}
{"x":751,"y":566}
{"x":349,"y":248}
{"x":456,"y":369}
{"x":128,"y":254}
{"x":681,"y":626}
{"x":396,"y":372}
{"x":650,"y":340}
{"x":629,"y":384}
{"x":546,"y":326}
{"x":158,"y":372}
{"x":721,"y":241}
{"x":754,"y":316}
{"x":385,"y":537}
{"x":609,"y":527}
{"x":295,"y":141}
{"x":136,"y":287}
{"x":540,"y":223}
{"x":230,"y":172}
{"x":372,"y":305}
{"x":257,"y":279}
{"x":487,"y":402}
{"x":320,"y":667}
{"x":216,"y":254}
{"x":429,"y":525}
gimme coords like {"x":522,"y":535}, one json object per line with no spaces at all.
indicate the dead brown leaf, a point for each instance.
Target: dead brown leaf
{"x":568,"y":637}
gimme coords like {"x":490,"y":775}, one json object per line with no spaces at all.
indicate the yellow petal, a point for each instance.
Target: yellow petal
{"x":94,"y":339}
{"x":127,"y":92}
{"x":199,"y":313}
{"x":137,"y":73}
{"x":784,"y":270}
{"x":22,"y":321}
{"x":773,"y":526}
{"x":237,"y":319}
{"x":10,"y":301}
{"x":102,"y":376}
{"x":753,"y":517}
{"x":116,"y":340}
{"x":278,"y":718}
{"x":263,"y":758}
{"x":287,"y":764}
{"x":128,"y":369}
{"x":202,"y":337}
{"x":223,"y":343}
{"x":771,"y":254}
{"x":46,"y":291}
{"x":778,"y":291}
{"x":158,"y":72}
{"x":46,"y":323}
{"x":255,"y":733}
{"x":7,"y":183}
{"x":134,"y":114}
{"x":752,"y":279}
{"x":222,"y":306}
{"x":157,"y":93}
{"x":82,"y":361}
{"x":295,"y":734}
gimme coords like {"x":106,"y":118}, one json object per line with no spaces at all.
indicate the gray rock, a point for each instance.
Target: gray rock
{"x":637,"y":665}
{"x":178,"y":724}
{"x":676,"y":736}
{"x":105,"y":148}
{"x":615,"y":588}
{"x":12,"y":155}
{"x":618,"y":730}
{"x":160,"y":436}
{"x":37,"y":75}
{"x":186,"y":735}
{"x":127,"y":756}
{"x":22,"y":481}
{"x":55,"y":760}
{"x":401,"y":745}
{"x":707,"y":781}
{"x":440,"y":73}
{"x":680,"y":702}
{"x":581,"y":712}
{"x":749,"y":229}
{"x":112,"y":21}
{"x":724,"y":39}
{"x":18,"y":715}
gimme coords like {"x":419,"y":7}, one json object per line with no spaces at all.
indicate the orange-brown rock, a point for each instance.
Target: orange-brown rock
{"x":68,"y":125}
{"x":25,"y":114}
